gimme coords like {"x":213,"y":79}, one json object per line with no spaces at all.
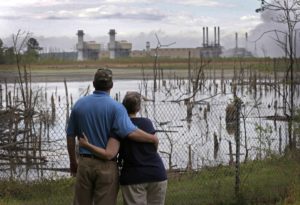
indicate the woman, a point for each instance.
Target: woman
{"x":143,"y":177}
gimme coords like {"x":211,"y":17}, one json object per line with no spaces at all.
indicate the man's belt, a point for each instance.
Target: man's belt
{"x":90,"y":156}
{"x":95,"y":157}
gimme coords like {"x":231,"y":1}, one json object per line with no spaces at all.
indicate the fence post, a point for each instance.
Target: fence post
{"x":189,"y":72}
{"x":1,"y":96}
{"x":237,"y":102}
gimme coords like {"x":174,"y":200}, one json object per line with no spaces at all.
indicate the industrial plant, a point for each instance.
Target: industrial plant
{"x":121,"y":49}
{"x":213,"y":49}
{"x":86,"y":50}
{"x":118,"y":48}
{"x":238,"y":51}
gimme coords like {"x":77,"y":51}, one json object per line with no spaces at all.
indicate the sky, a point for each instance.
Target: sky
{"x":55,"y":22}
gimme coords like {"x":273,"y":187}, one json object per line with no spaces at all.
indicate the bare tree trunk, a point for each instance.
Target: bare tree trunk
{"x":67,"y":101}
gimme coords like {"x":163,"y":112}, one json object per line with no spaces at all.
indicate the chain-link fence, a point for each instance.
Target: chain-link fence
{"x":201,"y":136}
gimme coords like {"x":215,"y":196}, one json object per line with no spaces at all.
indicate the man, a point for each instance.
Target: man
{"x":97,"y":116}
{"x":143,"y":177}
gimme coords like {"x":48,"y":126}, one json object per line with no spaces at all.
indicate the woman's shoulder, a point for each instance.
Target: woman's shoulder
{"x":144,"y":119}
{"x":144,"y":124}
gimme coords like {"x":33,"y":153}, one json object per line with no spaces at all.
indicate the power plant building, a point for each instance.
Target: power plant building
{"x":123,"y":48}
{"x":213,"y":49}
{"x":89,"y":50}
{"x":169,"y":52}
{"x":208,"y":50}
{"x":238,"y":51}
{"x":118,"y":49}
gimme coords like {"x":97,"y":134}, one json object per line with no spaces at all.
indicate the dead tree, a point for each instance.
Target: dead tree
{"x":21,"y":118}
{"x":156,"y":68}
{"x":287,"y":13}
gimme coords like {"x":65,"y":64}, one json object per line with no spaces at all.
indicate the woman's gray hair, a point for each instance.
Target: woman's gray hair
{"x":132,"y":102}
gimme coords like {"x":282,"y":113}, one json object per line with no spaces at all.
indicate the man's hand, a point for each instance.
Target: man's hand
{"x":72,"y":155}
{"x":73,"y":168}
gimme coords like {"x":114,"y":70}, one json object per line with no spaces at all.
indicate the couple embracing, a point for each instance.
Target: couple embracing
{"x":104,"y":129}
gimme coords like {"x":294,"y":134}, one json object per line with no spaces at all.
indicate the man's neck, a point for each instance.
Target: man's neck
{"x":107,"y":91}
{"x":132,"y":115}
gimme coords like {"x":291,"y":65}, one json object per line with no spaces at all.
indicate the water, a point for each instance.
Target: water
{"x":202,"y":139}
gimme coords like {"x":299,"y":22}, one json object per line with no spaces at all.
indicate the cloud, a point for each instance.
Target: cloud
{"x":127,"y":1}
{"x":119,"y":12}
{"x":89,"y":10}
{"x":207,"y":3}
{"x":32,"y":3}
{"x":184,"y":19}
{"x":250,"y":18}
{"x":10,"y":17}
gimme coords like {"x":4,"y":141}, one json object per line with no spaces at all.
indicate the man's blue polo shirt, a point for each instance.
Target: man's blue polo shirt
{"x":97,"y":115}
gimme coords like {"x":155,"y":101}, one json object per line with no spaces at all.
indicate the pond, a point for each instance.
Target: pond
{"x":193,"y":131}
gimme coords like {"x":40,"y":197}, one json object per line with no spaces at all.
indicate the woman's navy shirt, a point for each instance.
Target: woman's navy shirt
{"x":140,"y":161}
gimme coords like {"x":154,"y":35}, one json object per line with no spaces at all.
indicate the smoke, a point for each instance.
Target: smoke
{"x":57,"y":44}
{"x":179,"y":40}
{"x":267,"y":45}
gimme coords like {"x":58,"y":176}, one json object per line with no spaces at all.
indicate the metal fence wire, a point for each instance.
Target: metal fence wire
{"x":195,"y":135}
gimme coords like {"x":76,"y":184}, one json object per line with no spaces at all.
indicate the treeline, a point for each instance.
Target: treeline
{"x":7,"y":55}
{"x":30,"y":53}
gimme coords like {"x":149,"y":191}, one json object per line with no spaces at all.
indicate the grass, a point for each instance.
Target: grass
{"x":274,"y":181}
{"x":43,"y":192}
{"x":131,"y":68}
{"x":262,"y":64}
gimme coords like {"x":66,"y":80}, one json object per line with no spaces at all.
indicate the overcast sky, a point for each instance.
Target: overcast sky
{"x":55,"y":22}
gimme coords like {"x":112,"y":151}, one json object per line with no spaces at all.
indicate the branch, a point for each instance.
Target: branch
{"x":159,"y":45}
{"x":264,"y":33}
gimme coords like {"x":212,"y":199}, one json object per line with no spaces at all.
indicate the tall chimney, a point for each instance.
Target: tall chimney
{"x":246,"y":40}
{"x":112,"y":44}
{"x":207,"y":36}
{"x":218,"y":36}
{"x":215,"y":33}
{"x":80,"y":43}
{"x":236,"y":40}
{"x":203,"y":36}
{"x":147,"y":46}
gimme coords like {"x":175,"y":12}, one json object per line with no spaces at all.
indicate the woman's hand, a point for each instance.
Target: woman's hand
{"x":83,"y":141}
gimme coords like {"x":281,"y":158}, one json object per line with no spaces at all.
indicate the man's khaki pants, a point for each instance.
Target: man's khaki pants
{"x":97,"y":182}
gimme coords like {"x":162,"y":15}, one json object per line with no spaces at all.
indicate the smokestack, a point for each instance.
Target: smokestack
{"x":203,"y":36}
{"x":207,"y":36}
{"x":80,"y":35}
{"x":236,"y":40}
{"x":246,"y":38}
{"x":148,"y":46}
{"x":218,"y":36}
{"x":215,"y":33}
{"x":112,"y":44}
